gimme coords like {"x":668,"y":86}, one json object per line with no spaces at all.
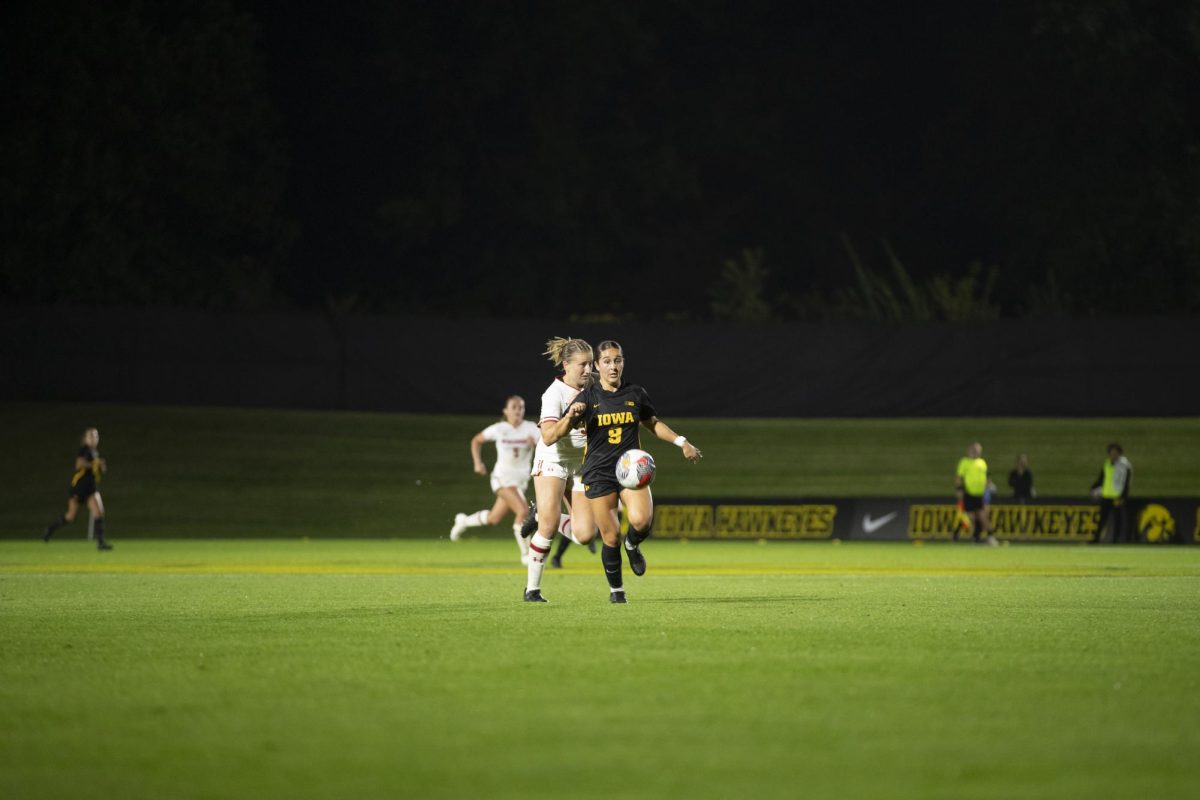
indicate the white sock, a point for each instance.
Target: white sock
{"x":539,"y":548}
{"x":476,"y":520}
{"x":522,"y":544}
{"x":564,"y":527}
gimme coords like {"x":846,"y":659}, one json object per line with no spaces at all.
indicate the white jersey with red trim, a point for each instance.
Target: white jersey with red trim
{"x":514,"y":445}
{"x":555,"y":402}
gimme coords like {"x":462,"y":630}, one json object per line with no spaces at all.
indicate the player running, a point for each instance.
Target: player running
{"x":559,"y":459}
{"x":89,"y":466}
{"x":515,"y":438}
{"x":610,"y":412}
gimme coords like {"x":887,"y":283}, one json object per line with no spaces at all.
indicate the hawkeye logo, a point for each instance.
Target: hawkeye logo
{"x":630,"y":403}
{"x":1156,"y":525}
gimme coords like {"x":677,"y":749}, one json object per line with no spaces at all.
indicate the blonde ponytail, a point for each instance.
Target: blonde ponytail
{"x":560,"y":349}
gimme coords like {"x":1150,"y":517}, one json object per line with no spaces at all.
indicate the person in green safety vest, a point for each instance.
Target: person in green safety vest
{"x":1111,"y":488}
{"x":971,"y":488}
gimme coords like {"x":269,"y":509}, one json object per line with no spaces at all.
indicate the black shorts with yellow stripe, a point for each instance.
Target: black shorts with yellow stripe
{"x":83,"y":487}
{"x":599,"y":487}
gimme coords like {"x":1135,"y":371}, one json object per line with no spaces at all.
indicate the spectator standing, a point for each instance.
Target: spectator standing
{"x":1021,"y":481}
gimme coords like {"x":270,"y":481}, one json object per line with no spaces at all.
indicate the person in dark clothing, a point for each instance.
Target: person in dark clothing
{"x":1021,"y":481}
{"x":611,"y":412}
{"x":84,"y":490}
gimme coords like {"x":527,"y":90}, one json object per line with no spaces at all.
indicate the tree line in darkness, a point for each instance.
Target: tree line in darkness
{"x":679,"y":160}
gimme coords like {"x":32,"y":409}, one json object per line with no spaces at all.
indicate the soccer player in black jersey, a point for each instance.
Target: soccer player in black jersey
{"x":88,"y":468}
{"x":611,"y":410}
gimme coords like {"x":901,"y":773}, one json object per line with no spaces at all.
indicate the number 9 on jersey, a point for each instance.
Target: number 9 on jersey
{"x":635,"y":469}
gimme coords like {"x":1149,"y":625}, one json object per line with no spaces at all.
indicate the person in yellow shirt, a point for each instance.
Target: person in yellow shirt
{"x":971,"y":487}
{"x":1111,"y":488}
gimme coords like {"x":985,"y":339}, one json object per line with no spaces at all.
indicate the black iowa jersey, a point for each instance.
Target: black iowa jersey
{"x":83,"y":482}
{"x":611,"y":420}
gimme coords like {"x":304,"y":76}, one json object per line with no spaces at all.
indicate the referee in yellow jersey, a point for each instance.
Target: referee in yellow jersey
{"x":971,"y":484}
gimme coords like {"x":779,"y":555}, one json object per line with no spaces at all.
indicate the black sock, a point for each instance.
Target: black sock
{"x":55,"y":525}
{"x":636,"y":537}
{"x":563,"y":544}
{"x":610,"y":557}
{"x":99,"y":528}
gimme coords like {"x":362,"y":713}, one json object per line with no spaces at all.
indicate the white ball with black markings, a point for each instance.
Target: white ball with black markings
{"x":635,"y":469}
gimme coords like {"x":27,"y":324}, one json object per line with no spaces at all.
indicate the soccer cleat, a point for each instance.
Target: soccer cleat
{"x":529,"y":526}
{"x":637,"y":561}
{"x":617,"y":597}
{"x":556,"y":562}
{"x":591,"y":546}
{"x":534,"y":596}
{"x":460,"y":525}
{"x":104,"y":546}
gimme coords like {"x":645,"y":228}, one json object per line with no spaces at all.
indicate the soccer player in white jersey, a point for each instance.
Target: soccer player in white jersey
{"x":515,"y":438}
{"x":559,"y":461}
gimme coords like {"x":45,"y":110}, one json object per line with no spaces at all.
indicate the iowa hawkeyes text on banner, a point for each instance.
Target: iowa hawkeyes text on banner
{"x":1037,"y":523}
{"x":809,"y":521}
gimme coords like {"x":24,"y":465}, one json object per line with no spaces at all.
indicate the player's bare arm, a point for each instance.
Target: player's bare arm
{"x":663,"y":431}
{"x":477,"y":454}
{"x":553,"y":431}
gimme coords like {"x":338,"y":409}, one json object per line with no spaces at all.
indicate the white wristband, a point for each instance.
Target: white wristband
{"x":680,"y":440}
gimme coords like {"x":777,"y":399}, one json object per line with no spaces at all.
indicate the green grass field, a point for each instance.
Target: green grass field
{"x":192,"y":472}
{"x":375,"y":668}
{"x":283,"y":617}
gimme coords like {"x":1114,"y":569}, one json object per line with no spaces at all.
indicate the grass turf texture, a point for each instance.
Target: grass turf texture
{"x":252,"y":473}
{"x":410,"y":669}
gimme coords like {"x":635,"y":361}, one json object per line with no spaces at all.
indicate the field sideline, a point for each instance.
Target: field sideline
{"x":227,"y":473}
{"x":377,"y":668}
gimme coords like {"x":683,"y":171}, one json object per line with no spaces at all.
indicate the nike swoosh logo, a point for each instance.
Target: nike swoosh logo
{"x":872,"y":525}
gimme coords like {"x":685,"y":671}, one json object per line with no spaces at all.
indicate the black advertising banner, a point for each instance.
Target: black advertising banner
{"x":1149,"y":521}
{"x":1044,"y":522}
{"x":879,"y":519}
{"x":750,"y":519}
{"x":1172,"y":520}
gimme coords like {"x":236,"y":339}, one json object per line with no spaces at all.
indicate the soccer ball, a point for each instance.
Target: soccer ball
{"x":635,"y":469}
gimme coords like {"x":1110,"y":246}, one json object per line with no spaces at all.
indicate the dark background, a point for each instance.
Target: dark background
{"x":699,"y":161}
{"x":832,"y":368}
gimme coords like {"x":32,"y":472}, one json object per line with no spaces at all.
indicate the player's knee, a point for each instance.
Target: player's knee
{"x":640,"y":519}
